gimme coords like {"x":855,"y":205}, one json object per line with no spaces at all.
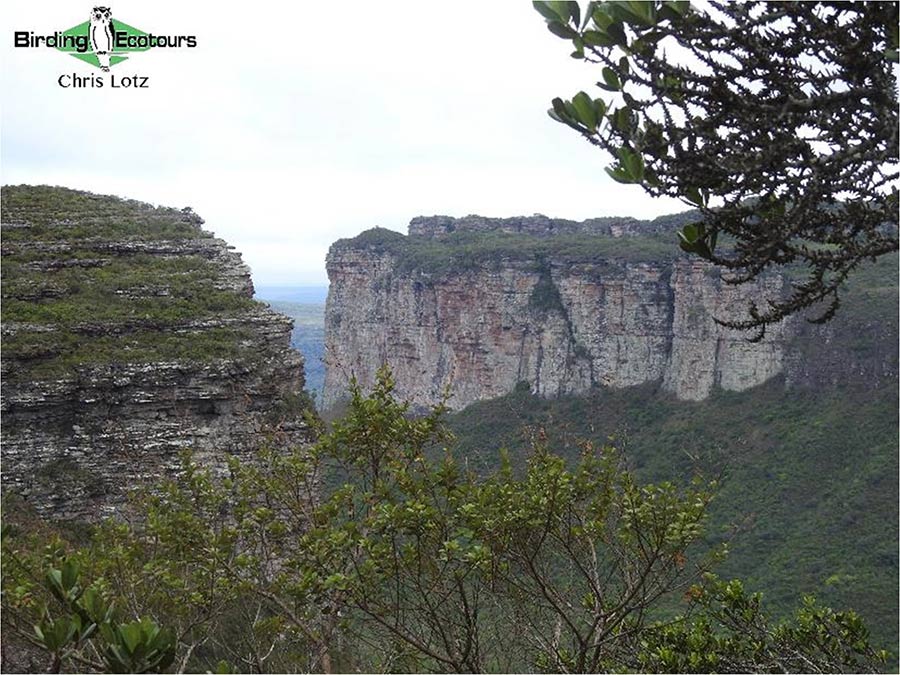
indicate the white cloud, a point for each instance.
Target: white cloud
{"x":294,"y":124}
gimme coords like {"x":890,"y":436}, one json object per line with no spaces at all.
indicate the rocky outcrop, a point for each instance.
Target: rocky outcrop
{"x":476,"y":326}
{"x":129,"y":336}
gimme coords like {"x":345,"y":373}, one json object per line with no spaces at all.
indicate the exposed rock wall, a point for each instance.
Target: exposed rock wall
{"x":561,"y":326}
{"x":118,"y":354}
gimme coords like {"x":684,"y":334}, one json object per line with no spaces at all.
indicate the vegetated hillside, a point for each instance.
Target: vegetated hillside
{"x":810,"y":478}
{"x":129,"y":334}
{"x":811,"y":471}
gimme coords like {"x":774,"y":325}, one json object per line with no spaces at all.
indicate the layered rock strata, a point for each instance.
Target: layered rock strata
{"x":463,"y":310}
{"x":129,"y":336}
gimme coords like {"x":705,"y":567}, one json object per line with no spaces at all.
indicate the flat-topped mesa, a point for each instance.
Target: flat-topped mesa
{"x":466,"y":309}
{"x":539,"y":225}
{"x":129,"y":335}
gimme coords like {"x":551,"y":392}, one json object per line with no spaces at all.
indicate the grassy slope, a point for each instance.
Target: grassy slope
{"x":55,"y":291}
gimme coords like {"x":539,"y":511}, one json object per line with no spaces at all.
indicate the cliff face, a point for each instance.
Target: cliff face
{"x":129,"y":335}
{"x":562,"y":316}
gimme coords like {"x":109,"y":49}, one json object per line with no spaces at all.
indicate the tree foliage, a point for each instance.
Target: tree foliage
{"x":778,"y":121}
{"x":376,"y":549}
{"x":729,"y":633}
{"x":77,"y":623}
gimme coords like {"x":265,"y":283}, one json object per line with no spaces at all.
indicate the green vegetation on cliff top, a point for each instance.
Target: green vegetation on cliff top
{"x":72,"y":299}
{"x":61,"y":214}
{"x":464,"y":250}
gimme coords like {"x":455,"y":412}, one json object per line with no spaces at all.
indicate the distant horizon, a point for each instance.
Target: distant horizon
{"x":293,"y":286}
{"x":298,"y":293}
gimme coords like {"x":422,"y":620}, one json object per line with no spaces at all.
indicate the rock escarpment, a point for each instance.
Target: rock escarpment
{"x":130,"y":335}
{"x":472,"y":307}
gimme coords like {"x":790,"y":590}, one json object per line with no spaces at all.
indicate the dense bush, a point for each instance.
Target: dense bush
{"x":410,"y":564}
{"x":808,"y":502}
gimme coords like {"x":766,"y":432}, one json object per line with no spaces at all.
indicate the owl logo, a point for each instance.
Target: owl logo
{"x":102,"y":32}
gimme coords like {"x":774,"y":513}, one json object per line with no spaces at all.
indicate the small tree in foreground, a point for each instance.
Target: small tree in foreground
{"x":729,"y":633}
{"x":409,"y":562}
{"x":558,"y":568}
{"x":778,"y":121}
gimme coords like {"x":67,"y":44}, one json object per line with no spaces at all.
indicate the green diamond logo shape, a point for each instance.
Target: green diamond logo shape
{"x":117,"y":55}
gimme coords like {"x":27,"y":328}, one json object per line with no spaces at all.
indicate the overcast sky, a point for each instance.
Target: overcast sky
{"x":292,"y":125}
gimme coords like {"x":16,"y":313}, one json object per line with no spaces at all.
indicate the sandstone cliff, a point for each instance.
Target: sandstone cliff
{"x":474,"y":306}
{"x":129,"y":335}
